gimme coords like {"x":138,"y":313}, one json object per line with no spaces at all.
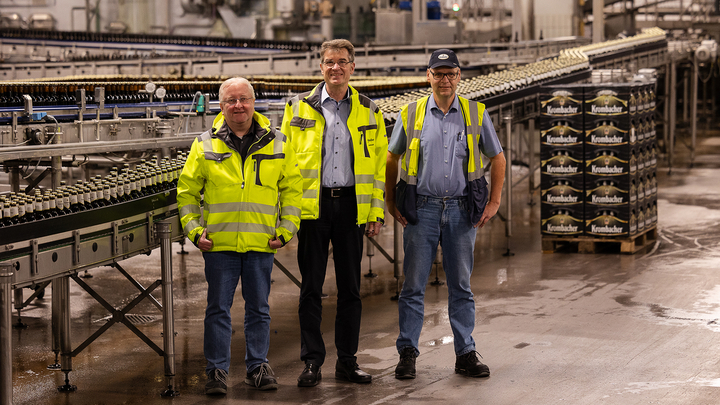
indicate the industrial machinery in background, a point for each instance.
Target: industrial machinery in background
{"x":98,"y":86}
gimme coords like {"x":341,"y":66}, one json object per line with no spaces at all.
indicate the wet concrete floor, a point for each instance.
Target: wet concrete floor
{"x":553,"y":327}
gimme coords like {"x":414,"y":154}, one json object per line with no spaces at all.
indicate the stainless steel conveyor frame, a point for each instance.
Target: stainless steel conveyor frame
{"x":109,"y":235}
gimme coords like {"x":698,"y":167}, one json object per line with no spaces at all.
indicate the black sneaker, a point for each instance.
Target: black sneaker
{"x":405,"y":369}
{"x":217,"y":382}
{"x":262,"y":378}
{"x":468,"y":364}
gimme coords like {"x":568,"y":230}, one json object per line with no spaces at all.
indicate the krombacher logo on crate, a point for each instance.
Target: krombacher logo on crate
{"x":606,"y":223}
{"x":562,"y":193}
{"x":606,"y":134}
{"x":562,"y":164}
{"x":607,"y":164}
{"x":561,"y":103}
{"x":561,"y":134}
{"x":562,"y":223}
{"x":607,"y":193}
{"x":606,"y":102}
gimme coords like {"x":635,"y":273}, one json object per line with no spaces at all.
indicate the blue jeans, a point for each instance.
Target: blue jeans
{"x":222,"y":272}
{"x":444,"y":221}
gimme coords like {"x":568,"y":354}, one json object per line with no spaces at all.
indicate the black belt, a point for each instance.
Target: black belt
{"x":338,"y":192}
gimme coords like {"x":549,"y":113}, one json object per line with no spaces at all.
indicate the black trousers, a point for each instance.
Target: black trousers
{"x":337,"y":223}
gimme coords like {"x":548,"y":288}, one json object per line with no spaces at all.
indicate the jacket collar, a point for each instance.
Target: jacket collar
{"x":260,"y":128}
{"x":315,"y":96}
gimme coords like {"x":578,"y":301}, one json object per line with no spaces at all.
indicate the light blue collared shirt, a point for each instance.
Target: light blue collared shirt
{"x":337,"y":152}
{"x":442,"y":166}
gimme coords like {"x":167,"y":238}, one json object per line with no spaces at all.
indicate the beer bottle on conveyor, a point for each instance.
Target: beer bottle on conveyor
{"x":29,"y":210}
{"x":75,"y":205}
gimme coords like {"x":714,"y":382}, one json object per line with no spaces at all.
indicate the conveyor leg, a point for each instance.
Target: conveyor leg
{"x":18,"y":306}
{"x":63,"y":284}
{"x":397,"y":247}
{"x":436,"y":263}
{"x":370,"y":252}
{"x":531,"y":159}
{"x":508,"y":181}
{"x":6,"y":275}
{"x":55,"y":325}
{"x":164,"y":230}
{"x":182,"y":247}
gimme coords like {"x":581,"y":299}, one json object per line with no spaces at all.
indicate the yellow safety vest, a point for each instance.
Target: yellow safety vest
{"x":245,"y":204}
{"x":477,"y":185}
{"x":304,"y":125}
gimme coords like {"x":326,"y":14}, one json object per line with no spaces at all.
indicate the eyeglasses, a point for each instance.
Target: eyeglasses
{"x":440,"y":76}
{"x":234,"y":101}
{"x":342,"y":63}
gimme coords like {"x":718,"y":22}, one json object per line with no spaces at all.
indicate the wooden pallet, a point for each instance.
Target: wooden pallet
{"x":590,"y":244}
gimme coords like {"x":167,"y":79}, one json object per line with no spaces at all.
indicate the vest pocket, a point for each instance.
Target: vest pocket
{"x":477,"y":198}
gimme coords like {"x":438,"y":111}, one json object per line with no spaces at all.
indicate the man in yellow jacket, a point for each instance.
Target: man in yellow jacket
{"x":251,"y":186}
{"x":341,"y":144}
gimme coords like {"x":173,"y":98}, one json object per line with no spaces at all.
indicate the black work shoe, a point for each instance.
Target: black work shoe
{"x":216,"y":383}
{"x":405,"y":369}
{"x":262,"y":378}
{"x":350,"y":371}
{"x":468,"y":364}
{"x":310,"y":376}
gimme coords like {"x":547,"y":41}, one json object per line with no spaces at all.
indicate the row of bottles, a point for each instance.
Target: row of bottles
{"x":126,"y":184}
{"x":64,"y":93}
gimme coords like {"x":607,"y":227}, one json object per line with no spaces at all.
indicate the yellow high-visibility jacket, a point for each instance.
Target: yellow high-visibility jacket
{"x":304,"y":125}
{"x":245,"y":205}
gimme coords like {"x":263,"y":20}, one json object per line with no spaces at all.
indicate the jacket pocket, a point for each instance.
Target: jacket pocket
{"x":267,"y":168}
{"x":302,"y":123}
{"x":367,"y":137}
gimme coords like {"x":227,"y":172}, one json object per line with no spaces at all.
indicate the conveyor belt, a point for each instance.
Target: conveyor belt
{"x":210,"y":44}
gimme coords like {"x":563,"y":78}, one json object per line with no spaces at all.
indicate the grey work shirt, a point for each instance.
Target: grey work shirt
{"x":337,"y":153}
{"x":442,"y":166}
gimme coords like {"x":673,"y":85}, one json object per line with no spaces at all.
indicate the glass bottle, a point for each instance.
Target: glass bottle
{"x":14,"y":213}
{"x":75,"y":204}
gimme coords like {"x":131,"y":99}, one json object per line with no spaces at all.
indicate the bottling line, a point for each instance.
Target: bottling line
{"x":52,"y":231}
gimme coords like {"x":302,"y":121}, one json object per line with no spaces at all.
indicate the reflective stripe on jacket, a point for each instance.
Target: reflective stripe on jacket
{"x":304,"y":125}
{"x":473,"y":114}
{"x":245,"y":205}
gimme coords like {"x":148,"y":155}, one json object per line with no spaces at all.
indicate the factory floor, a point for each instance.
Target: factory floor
{"x":605,"y":328}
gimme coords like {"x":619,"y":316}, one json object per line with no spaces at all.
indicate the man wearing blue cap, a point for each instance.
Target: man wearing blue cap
{"x":442,"y":197}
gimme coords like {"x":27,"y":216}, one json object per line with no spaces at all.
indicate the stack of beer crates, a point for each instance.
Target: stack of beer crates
{"x":619,"y":164}
{"x":562,"y":160}
{"x":609,"y":131}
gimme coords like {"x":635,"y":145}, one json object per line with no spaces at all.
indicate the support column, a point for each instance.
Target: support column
{"x":517,"y":20}
{"x":56,"y":171}
{"x":693,"y":108}
{"x":55,"y":323}
{"x":164,"y":231}
{"x":15,"y":179}
{"x":686,"y":96}
{"x":508,"y":181}
{"x":6,"y":276}
{"x":672,"y":121}
{"x":598,"y":26}
{"x":531,"y":158}
{"x":63,"y":291}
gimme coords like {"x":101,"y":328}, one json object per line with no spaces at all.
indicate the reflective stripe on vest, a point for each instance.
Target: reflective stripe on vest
{"x":415,"y":114}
